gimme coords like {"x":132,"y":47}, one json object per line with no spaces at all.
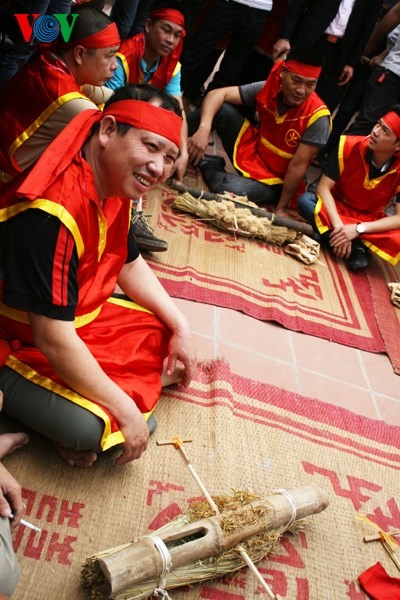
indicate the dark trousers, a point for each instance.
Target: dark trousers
{"x":228,"y":123}
{"x":327,"y":87}
{"x":382,"y":92}
{"x":243,"y":22}
{"x":130,"y":16}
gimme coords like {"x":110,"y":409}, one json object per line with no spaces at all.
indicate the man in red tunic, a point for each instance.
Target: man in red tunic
{"x":361,"y":179}
{"x":86,"y":367}
{"x":271,"y":153}
{"x":45,"y":94}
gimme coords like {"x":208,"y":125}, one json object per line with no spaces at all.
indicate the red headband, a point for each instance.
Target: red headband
{"x":300,"y":68}
{"x":106,"y":38}
{"x":392,"y":120}
{"x":169,"y":14}
{"x":150,"y":117}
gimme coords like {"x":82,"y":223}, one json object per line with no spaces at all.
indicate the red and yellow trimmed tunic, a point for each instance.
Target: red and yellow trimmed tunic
{"x":128,"y":341}
{"x":35,"y":92}
{"x":131,"y":54}
{"x":360,"y":199}
{"x":264,"y":154}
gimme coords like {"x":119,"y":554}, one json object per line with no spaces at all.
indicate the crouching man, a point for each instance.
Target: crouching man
{"x":86,"y":368}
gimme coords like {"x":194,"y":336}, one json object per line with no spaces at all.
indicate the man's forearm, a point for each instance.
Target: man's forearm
{"x":293,"y":178}
{"x":150,"y":294}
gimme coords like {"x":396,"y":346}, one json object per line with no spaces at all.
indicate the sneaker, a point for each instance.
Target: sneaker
{"x":144,"y":234}
{"x":359,"y":257}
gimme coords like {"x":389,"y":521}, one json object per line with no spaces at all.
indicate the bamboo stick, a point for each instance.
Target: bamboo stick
{"x":140,"y":561}
{"x":259,"y":212}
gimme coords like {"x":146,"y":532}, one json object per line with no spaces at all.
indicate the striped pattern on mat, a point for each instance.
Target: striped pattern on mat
{"x":206,"y":265}
{"x":245,"y":435}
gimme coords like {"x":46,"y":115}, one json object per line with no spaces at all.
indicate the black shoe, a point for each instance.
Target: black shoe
{"x":144,"y":234}
{"x":214,"y":161}
{"x":359,"y":257}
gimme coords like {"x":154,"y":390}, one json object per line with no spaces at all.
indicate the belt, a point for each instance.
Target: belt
{"x":332,"y":39}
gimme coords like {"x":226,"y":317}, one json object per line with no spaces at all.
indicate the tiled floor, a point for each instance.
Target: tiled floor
{"x":359,"y":381}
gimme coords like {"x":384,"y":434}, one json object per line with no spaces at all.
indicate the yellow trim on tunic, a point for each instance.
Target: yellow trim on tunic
{"x":321,"y":228}
{"x":272,"y":180}
{"x":21,"y":316}
{"x":126,"y":303}
{"x":52,"y":208}
{"x":41,"y":119}
{"x":393,"y":260}
{"x":276,"y":150}
{"x":322,"y":112}
{"x":125,"y":65}
{"x":342,"y":141}
{"x":108,"y":439}
{"x":177,"y":69}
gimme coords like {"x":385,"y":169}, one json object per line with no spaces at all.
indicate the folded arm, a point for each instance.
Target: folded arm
{"x":212,"y":102}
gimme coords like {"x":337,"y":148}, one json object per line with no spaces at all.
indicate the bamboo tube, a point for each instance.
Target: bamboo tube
{"x":276,"y":219}
{"x":134,"y":564}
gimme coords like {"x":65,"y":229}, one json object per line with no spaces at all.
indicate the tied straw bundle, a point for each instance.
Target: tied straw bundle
{"x":228,"y":216}
{"x":200,"y":544}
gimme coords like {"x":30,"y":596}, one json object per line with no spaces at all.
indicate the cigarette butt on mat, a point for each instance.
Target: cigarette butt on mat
{"x":26,"y":524}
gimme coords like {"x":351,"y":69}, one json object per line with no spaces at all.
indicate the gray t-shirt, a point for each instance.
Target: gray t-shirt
{"x":315,"y":135}
{"x":392,"y":60}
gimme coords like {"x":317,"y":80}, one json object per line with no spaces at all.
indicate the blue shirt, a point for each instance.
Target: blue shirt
{"x":173,"y":87}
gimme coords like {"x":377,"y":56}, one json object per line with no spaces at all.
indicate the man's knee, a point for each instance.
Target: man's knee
{"x":306,"y":206}
{"x":49,"y":414}
{"x":9,"y":567}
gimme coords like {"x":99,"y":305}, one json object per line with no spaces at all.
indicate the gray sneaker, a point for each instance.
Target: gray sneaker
{"x":144,"y":234}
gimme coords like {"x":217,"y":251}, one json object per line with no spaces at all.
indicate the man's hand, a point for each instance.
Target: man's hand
{"x":346,"y":75}
{"x":197,"y":145}
{"x":180,"y":166}
{"x":10,"y":497}
{"x":280,"y":48}
{"x":136,"y":434}
{"x":181,"y":348}
{"x":340,"y":240}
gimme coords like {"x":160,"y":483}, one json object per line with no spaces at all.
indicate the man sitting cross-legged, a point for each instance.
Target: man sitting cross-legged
{"x":361,"y":178}
{"x":85,"y":367}
{"x":272,"y":155}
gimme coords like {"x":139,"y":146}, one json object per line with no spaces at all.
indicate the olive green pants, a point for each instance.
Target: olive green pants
{"x":49,"y":414}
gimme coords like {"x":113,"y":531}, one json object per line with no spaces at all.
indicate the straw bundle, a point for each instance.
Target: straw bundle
{"x":225,"y":215}
{"x":202,"y":545}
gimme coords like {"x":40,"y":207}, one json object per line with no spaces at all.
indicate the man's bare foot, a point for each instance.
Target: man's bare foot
{"x":175,"y":377}
{"x":9,"y":442}
{"x":76,"y":458}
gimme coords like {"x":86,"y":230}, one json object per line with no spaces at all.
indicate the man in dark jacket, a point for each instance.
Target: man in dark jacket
{"x":339,"y":29}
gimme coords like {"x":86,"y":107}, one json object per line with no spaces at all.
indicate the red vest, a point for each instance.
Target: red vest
{"x":264,"y":153}
{"x":131,"y":53}
{"x":360,"y":199}
{"x":128,"y":341}
{"x":35,"y":92}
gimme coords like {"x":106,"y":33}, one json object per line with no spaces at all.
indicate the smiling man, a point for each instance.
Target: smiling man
{"x":362,"y":177}
{"x":271,"y":153}
{"x":86,"y":367}
{"x":45,"y":94}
